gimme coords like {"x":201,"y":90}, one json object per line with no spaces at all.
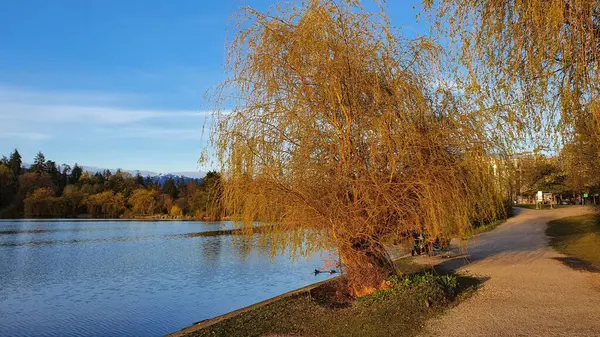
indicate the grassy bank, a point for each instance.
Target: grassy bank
{"x":579,"y":238}
{"x":483,"y":228}
{"x":326,"y":310}
{"x":477,"y":229}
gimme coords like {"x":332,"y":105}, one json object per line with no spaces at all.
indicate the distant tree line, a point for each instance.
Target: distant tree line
{"x":48,"y":190}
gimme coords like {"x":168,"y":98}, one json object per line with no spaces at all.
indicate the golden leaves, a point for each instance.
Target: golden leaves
{"x":341,"y":129}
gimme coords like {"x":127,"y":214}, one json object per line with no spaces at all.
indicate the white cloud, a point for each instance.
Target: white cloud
{"x":20,"y":95}
{"x":96,"y":114}
{"x":23,"y":113}
{"x":25,"y":135}
{"x":156,"y":133}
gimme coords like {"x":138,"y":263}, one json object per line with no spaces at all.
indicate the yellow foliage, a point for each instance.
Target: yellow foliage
{"x":42,"y":193}
{"x":144,"y":201}
{"x":535,"y":62}
{"x":339,"y":138}
{"x":106,"y":204}
{"x":176,"y":211}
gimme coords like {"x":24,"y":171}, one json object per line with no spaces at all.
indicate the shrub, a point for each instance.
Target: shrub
{"x":438,"y":289}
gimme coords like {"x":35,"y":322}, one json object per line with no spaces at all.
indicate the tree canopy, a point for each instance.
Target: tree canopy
{"x":536,"y":63}
{"x":340,"y":137}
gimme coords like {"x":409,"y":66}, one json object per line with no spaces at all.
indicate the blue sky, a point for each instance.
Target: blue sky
{"x":117,"y":84}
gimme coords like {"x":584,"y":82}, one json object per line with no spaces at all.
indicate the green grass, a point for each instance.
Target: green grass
{"x":483,"y":228}
{"x":325,"y":311}
{"x":579,"y":238}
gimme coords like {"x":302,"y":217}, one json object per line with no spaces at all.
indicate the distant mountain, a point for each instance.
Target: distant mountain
{"x":161,"y":177}
{"x":93,"y":169}
{"x":190,"y":174}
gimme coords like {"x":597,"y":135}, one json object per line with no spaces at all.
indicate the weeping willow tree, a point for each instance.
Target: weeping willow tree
{"x":332,"y":129}
{"x":536,"y":62}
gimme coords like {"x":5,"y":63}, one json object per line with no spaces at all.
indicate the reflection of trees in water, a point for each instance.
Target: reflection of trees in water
{"x":211,"y":249}
{"x":242,"y":245}
{"x":269,"y":244}
{"x":263,"y":241}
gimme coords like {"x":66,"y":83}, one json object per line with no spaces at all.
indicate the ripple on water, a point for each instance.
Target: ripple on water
{"x":69,"y":278}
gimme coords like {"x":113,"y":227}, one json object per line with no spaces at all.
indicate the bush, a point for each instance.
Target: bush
{"x":437,"y":289}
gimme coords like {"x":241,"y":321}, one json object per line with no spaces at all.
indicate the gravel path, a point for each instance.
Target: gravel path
{"x":527,"y":292}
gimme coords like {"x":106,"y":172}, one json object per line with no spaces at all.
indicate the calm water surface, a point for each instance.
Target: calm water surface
{"x":126,"y":278}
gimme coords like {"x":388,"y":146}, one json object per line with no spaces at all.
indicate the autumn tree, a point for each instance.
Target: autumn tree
{"x":536,"y":63}
{"x":121,"y":182}
{"x":175,"y":211}
{"x":106,"y":205}
{"x":581,"y":159}
{"x":30,"y":182}
{"x":165,"y":202}
{"x":335,"y":140}
{"x":144,"y":201}
{"x":42,"y":203}
{"x":541,"y":173}
{"x":75,"y":200}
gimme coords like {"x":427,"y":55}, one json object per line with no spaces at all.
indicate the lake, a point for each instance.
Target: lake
{"x":130,"y":278}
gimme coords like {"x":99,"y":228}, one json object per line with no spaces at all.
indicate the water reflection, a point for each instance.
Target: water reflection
{"x":132,"y":278}
{"x":211,"y":249}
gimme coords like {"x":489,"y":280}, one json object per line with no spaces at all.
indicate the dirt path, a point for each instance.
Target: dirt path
{"x":528,"y":291}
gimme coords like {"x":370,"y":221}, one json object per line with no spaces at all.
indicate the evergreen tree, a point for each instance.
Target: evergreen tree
{"x":15,"y":163}
{"x":39,"y":163}
{"x":6,"y":185}
{"x":148,"y":182}
{"x":64,"y":176}
{"x":76,"y":173}
{"x":106,"y":173}
{"x":139,"y":180}
{"x":98,"y":178}
{"x":170,"y":188}
{"x":53,"y":171}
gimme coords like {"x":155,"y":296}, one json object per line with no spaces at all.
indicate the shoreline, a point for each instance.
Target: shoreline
{"x":108,"y":219}
{"x":214,"y":320}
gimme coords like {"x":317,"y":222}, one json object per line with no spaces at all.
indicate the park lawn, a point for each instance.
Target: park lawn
{"x":577,"y":237}
{"x":325,"y":311}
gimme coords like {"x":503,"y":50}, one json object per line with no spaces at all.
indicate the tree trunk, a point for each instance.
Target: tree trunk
{"x":367,"y":265}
